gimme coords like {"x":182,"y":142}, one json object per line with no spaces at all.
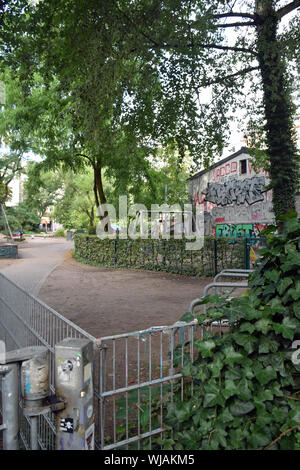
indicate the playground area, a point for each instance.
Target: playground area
{"x":129,"y":314}
{"x":102,"y":301}
{"x":107,"y":301}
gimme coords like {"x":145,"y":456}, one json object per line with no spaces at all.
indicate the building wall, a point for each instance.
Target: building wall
{"x":233,"y":197}
{"x":17,"y":188}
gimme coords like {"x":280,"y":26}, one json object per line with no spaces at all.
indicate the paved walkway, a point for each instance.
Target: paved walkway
{"x":38,"y":257}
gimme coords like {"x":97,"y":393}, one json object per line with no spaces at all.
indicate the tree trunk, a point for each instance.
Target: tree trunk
{"x":100,"y":198}
{"x":278,"y":110}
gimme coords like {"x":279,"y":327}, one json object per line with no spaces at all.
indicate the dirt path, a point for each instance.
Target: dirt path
{"x":107,"y":301}
{"x":36,"y":259}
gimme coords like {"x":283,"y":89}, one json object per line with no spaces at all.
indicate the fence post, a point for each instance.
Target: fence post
{"x":215,"y":257}
{"x":164,"y":252}
{"x":115,"y":251}
{"x":247,"y":252}
{"x":75,"y":426}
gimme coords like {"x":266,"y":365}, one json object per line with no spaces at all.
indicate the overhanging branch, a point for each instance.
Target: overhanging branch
{"x":231,"y":14}
{"x":239,"y":23}
{"x":227,"y":77}
{"x":288,"y":8}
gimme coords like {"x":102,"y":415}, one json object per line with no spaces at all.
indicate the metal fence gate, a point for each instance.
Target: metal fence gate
{"x":27,"y":321}
{"x":135,"y":374}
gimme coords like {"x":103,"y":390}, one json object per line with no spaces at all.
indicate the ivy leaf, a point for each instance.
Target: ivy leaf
{"x":206,"y":347}
{"x":288,"y":328}
{"x":247,"y":326}
{"x":284,"y":284}
{"x":241,"y":408}
{"x":260,"y":438}
{"x":266,"y":375}
{"x":295,"y":291}
{"x":183,"y":411}
{"x":231,"y":356}
{"x":210,"y":399}
{"x":296,"y":309}
{"x":273,"y":275}
{"x":237,"y":439}
{"x":264,"y":325}
{"x":267,"y":345}
{"x":230,"y":389}
{"x":245,"y":340}
{"x":276,"y":306}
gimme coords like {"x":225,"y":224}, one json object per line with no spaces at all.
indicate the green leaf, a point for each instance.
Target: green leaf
{"x":273,"y":275}
{"x":247,"y":326}
{"x":241,"y":408}
{"x":246,"y":341}
{"x":210,"y":399}
{"x":259,"y":438}
{"x":266,"y":375}
{"x":230,"y":389}
{"x":267,"y":345}
{"x":183,"y":411}
{"x":295,"y":291}
{"x":284,"y":284}
{"x":187,"y":317}
{"x":264,"y":325}
{"x":231,"y":356}
{"x":205,"y":347}
{"x":145,"y":417}
{"x":288,"y":328}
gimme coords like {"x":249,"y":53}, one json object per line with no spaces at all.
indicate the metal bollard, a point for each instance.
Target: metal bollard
{"x":35,"y":389}
{"x":34,"y":364}
{"x":74,"y":385}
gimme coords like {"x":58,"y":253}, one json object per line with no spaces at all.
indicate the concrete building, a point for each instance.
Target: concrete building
{"x":16,"y":187}
{"x":233,"y":197}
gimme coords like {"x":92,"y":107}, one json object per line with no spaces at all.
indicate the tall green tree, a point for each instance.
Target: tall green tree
{"x":136,"y":70}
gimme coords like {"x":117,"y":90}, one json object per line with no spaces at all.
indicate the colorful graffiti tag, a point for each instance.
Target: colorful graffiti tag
{"x":239,"y":230}
{"x":249,"y":190}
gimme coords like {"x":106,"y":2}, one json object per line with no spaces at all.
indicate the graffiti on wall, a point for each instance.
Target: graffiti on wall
{"x":239,"y":230}
{"x":261,"y":211}
{"x":248,"y":190}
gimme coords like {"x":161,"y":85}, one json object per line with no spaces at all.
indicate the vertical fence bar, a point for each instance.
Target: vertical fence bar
{"x":10,"y":404}
{"x":215,"y":257}
{"x":247,"y":252}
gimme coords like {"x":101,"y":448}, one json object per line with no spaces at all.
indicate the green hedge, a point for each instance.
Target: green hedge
{"x":162,"y":255}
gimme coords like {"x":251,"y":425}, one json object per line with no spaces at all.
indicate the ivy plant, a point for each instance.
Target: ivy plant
{"x":243,"y":389}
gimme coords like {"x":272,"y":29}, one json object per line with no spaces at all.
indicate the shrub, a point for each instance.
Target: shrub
{"x":59,"y":232}
{"x":160,"y":254}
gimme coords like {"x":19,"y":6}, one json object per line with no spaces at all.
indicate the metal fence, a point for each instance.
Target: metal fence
{"x":27,"y":321}
{"x":135,"y":374}
{"x":206,"y":258}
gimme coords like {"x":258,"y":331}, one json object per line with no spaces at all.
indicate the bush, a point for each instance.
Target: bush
{"x":59,"y":232}
{"x":160,"y":254}
{"x":246,"y":382}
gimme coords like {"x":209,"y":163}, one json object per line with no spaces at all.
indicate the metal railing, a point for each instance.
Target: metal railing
{"x":27,"y":321}
{"x":222,"y":288}
{"x":135,"y":374}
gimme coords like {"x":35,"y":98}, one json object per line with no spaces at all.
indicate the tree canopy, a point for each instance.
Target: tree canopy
{"x":131,"y":77}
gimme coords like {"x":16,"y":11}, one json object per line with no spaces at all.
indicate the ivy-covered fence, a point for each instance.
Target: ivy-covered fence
{"x":160,"y":254}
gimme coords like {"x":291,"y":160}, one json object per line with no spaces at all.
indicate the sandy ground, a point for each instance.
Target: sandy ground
{"x":107,"y":301}
{"x":102,"y":301}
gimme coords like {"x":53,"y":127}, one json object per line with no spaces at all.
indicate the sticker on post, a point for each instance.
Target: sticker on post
{"x":66,"y":371}
{"x":66,"y":425}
